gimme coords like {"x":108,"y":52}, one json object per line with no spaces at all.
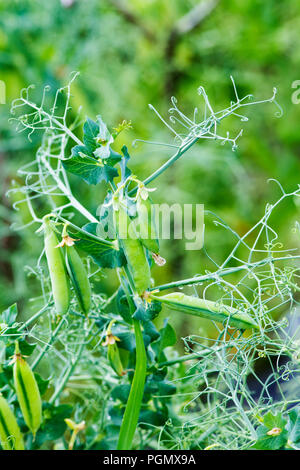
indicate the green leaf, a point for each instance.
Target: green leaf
{"x":127,"y":339}
{"x":90,"y":132}
{"x":147,"y":312}
{"x":9,"y":315}
{"x":53,"y":426}
{"x":91,"y":170}
{"x":121,"y":392}
{"x":104,"y":138}
{"x":103,"y":254}
{"x":125,"y":171}
{"x":293,"y":426}
{"x":94,"y":161}
{"x":122,"y":306}
{"x":116,"y":415}
{"x":157,"y":386}
{"x":26,"y":348}
{"x":42,"y":383}
{"x":167,"y":338}
{"x":151,"y":331}
{"x":154,"y":418}
{"x":271,"y":435}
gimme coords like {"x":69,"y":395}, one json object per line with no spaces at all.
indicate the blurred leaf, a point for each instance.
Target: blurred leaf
{"x":122,"y":306}
{"x":42,"y":383}
{"x":53,"y":426}
{"x":9,"y":315}
{"x":293,"y":426}
{"x":121,"y":392}
{"x":154,"y":418}
{"x":167,"y":338}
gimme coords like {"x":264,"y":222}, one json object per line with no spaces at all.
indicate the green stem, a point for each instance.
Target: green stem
{"x":220,"y":273}
{"x":35,"y":316}
{"x":95,"y":237}
{"x":47,"y":346}
{"x":177,"y":360}
{"x":132,"y":411}
{"x":168,"y":163}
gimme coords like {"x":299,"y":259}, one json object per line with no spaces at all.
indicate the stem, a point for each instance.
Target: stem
{"x":47,"y":346}
{"x":132,"y":411}
{"x":168,"y":163}
{"x":76,"y":204}
{"x":220,"y":273}
{"x":55,"y":121}
{"x":177,"y":360}
{"x":95,"y":237}
{"x":35,"y":316}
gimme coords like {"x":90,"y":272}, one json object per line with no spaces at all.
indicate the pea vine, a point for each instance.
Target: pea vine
{"x":136,"y":395}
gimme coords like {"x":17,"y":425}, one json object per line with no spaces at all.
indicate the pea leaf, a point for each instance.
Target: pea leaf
{"x":151,"y":331}
{"x":121,"y":392}
{"x":155,"y":418}
{"x":293,"y":426}
{"x":125,"y":171}
{"x":271,"y":435}
{"x":9,"y":315}
{"x":103,"y":254}
{"x":127,"y":339}
{"x":53,"y":426}
{"x":167,"y":338}
{"x":94,"y":161}
{"x":90,"y":169}
{"x":90,"y":132}
{"x":158,"y":386}
{"x":122,"y":306}
{"x":147,"y":312}
{"x":42,"y":383}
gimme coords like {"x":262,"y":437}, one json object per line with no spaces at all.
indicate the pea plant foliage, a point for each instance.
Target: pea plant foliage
{"x":109,"y":373}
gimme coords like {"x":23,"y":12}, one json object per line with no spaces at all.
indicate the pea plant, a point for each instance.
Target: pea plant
{"x":90,"y":371}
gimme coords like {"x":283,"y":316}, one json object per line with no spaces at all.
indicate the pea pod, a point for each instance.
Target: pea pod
{"x":113,"y":355}
{"x":10,"y":434}
{"x":28,"y":393}
{"x":57,"y":270}
{"x":207,"y":309}
{"x":146,"y":224}
{"x":134,"y":252}
{"x":79,"y":277}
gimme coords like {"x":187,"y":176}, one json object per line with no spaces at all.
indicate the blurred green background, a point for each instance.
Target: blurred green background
{"x":129,"y":54}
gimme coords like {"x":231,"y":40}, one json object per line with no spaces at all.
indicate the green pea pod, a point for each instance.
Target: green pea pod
{"x":134,"y":252}
{"x":113,"y":356}
{"x":207,"y":309}
{"x":10,"y":434}
{"x":57,"y":270}
{"x":28,"y":393}
{"x":79,"y":278}
{"x":146,"y":224}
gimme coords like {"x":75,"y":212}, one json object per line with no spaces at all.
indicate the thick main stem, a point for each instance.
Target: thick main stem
{"x":132,"y":411}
